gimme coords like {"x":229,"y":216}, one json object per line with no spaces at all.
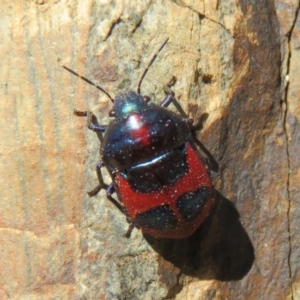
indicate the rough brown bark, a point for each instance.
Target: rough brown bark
{"x":236,"y":61}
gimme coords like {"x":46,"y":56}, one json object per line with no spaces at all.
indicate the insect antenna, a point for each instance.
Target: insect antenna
{"x":90,"y":82}
{"x":149,"y":65}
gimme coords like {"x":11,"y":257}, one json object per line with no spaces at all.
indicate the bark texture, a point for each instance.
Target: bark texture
{"x":237,"y":62}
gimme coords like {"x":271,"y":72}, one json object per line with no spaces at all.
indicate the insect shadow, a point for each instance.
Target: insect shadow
{"x":219,"y":249}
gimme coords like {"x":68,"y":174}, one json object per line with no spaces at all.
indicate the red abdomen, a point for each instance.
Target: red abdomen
{"x":167,"y":209}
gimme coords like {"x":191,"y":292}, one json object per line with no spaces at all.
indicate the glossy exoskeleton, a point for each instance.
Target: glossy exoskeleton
{"x":162,"y":183}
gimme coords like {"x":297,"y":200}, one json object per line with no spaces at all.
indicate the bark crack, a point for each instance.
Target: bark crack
{"x":112,"y":26}
{"x":287,"y":135}
{"x":216,"y":22}
{"x":203,"y":16}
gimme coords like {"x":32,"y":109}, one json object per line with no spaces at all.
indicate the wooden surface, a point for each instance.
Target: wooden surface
{"x":235,"y":61}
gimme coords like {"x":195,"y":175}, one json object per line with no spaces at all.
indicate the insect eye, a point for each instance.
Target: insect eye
{"x":146,"y":99}
{"x":112,"y":113}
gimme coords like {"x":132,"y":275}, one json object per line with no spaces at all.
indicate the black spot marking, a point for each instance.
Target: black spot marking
{"x":191,"y":204}
{"x":160,"y":218}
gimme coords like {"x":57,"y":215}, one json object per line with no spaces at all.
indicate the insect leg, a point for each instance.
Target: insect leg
{"x":90,"y":120}
{"x":170,"y":98}
{"x":109,"y":191}
{"x":129,"y":229}
{"x":212,"y":163}
{"x":101,"y":184}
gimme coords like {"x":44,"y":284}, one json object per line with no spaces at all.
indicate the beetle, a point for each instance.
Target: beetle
{"x":163,"y":185}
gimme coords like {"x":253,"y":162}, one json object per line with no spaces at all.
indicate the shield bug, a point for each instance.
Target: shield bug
{"x":163,"y":185}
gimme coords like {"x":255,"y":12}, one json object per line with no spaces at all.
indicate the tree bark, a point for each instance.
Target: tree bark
{"x":237,"y":62}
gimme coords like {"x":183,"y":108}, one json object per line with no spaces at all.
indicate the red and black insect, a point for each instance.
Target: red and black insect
{"x":163,"y":185}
